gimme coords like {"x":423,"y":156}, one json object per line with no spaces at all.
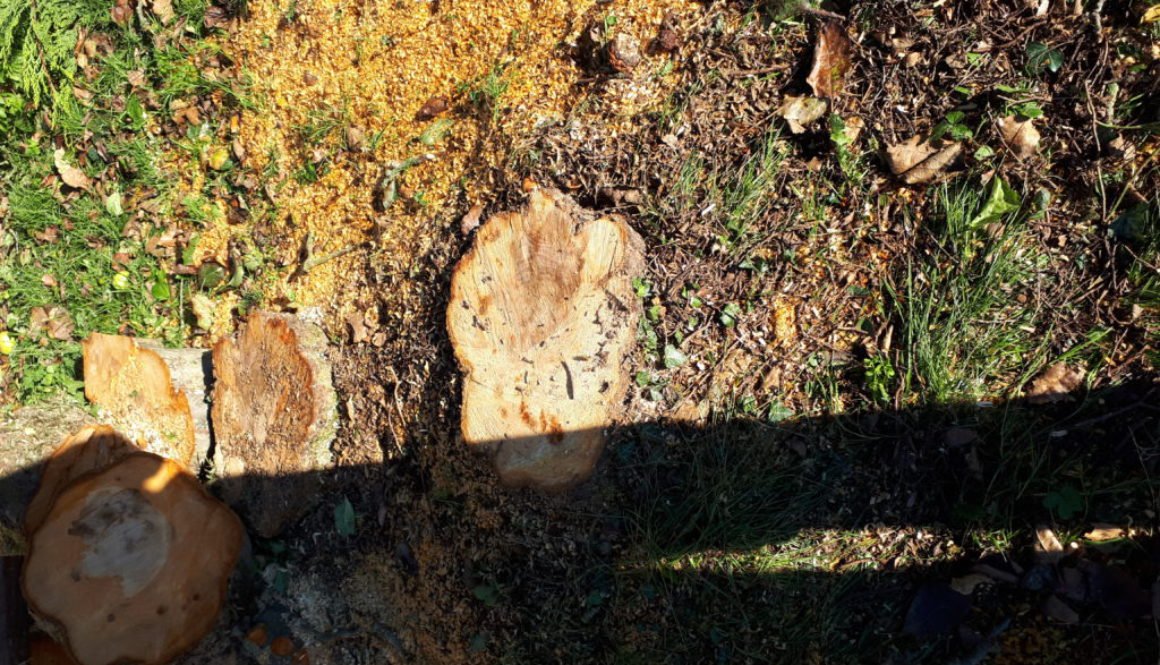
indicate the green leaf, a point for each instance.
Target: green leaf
{"x":643,"y":378}
{"x":779,"y":412}
{"x":160,"y":288}
{"x":729,"y":315}
{"x":674,"y":357}
{"x":1028,"y":110}
{"x":1066,"y":502}
{"x":488,"y":593}
{"x":113,"y":204}
{"x":1040,"y":56}
{"x":984,"y":152}
{"x":344,"y":518}
{"x":1001,"y":201}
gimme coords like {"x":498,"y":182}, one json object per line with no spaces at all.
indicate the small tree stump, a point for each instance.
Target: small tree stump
{"x":131,"y":562}
{"x":542,"y":314}
{"x":274,"y":417}
{"x":132,"y":387}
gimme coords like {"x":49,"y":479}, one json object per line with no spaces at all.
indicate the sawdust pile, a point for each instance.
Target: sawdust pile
{"x":340,"y":85}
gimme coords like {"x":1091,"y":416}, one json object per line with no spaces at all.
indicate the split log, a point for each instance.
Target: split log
{"x":274,"y":417}
{"x":131,"y":562}
{"x":542,"y":315}
{"x":133,"y":389}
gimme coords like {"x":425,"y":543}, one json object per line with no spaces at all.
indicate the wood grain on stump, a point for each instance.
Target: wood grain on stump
{"x":133,"y":390}
{"x":273,"y":418}
{"x":131,"y":563}
{"x":542,"y":314}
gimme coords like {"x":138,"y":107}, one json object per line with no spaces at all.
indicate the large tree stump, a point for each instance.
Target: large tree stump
{"x":542,"y":314}
{"x":130,"y":562}
{"x":133,"y":389}
{"x":90,"y":450}
{"x":274,"y":417}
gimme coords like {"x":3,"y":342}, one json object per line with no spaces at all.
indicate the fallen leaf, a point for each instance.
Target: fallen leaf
{"x":967,"y":584}
{"x":52,"y":320}
{"x":71,"y":175}
{"x":163,"y":10}
{"x":927,"y":169}
{"x":1048,"y":549}
{"x":831,"y":61}
{"x":1151,"y":14}
{"x":960,"y":436}
{"x":1054,"y":384}
{"x":433,"y":107}
{"x":1104,"y":532}
{"x":136,"y":78}
{"x":1056,"y":609}
{"x":1019,"y":135}
{"x":801,"y":112}
{"x":203,"y":310}
{"x":471,"y":219}
{"x":905,"y":156}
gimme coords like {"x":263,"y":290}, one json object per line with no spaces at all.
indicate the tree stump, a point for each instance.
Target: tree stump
{"x":131,"y":561}
{"x":133,"y":389}
{"x":542,"y":314}
{"x":274,"y":417}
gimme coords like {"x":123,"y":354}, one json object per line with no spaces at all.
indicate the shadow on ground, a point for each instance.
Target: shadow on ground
{"x":749,"y":541}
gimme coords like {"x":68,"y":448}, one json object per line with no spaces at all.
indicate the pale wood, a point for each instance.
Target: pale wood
{"x":131,"y":563}
{"x":542,"y":315}
{"x":274,"y":417}
{"x":133,"y":389}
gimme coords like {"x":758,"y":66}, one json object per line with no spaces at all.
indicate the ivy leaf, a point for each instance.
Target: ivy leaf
{"x":674,"y":357}
{"x":1066,"y":502}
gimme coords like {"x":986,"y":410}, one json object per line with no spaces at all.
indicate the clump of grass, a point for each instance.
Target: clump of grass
{"x":484,"y":93}
{"x":960,"y":331}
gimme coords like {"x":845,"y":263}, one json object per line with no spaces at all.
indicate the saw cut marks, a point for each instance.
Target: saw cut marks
{"x":542,"y":314}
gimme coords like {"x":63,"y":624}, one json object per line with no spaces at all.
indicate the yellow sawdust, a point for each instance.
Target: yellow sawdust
{"x":374,"y":65}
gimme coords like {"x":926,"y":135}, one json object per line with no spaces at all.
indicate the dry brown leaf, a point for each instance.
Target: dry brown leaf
{"x":1054,"y":384}
{"x":71,"y":175}
{"x":471,"y":219}
{"x":967,"y":584}
{"x":831,"y":61}
{"x":53,"y":320}
{"x":1060,"y":611}
{"x":163,"y":10}
{"x":801,"y":112}
{"x":1019,"y":135}
{"x":930,"y":167}
{"x":1048,"y":549}
{"x":905,"y":156}
{"x":1104,"y":532}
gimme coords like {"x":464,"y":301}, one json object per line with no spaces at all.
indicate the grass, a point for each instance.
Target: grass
{"x":102,"y":258}
{"x":962,"y":332}
{"x":485,"y":92}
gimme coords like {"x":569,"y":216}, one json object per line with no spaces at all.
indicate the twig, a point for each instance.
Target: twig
{"x":805,"y":8}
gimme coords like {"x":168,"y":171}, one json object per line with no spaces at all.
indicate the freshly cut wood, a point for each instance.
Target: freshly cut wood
{"x":133,"y":389}
{"x":91,"y":449}
{"x":274,"y":417}
{"x":131,"y":563}
{"x":542,"y":314}
{"x":191,"y":370}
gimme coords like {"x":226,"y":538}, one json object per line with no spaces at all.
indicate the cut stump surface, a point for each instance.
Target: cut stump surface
{"x":133,"y":389}
{"x":131,"y":563}
{"x":274,"y":417}
{"x":542,"y":314}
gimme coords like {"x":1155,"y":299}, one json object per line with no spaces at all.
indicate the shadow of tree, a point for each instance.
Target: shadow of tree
{"x":746,"y":541}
